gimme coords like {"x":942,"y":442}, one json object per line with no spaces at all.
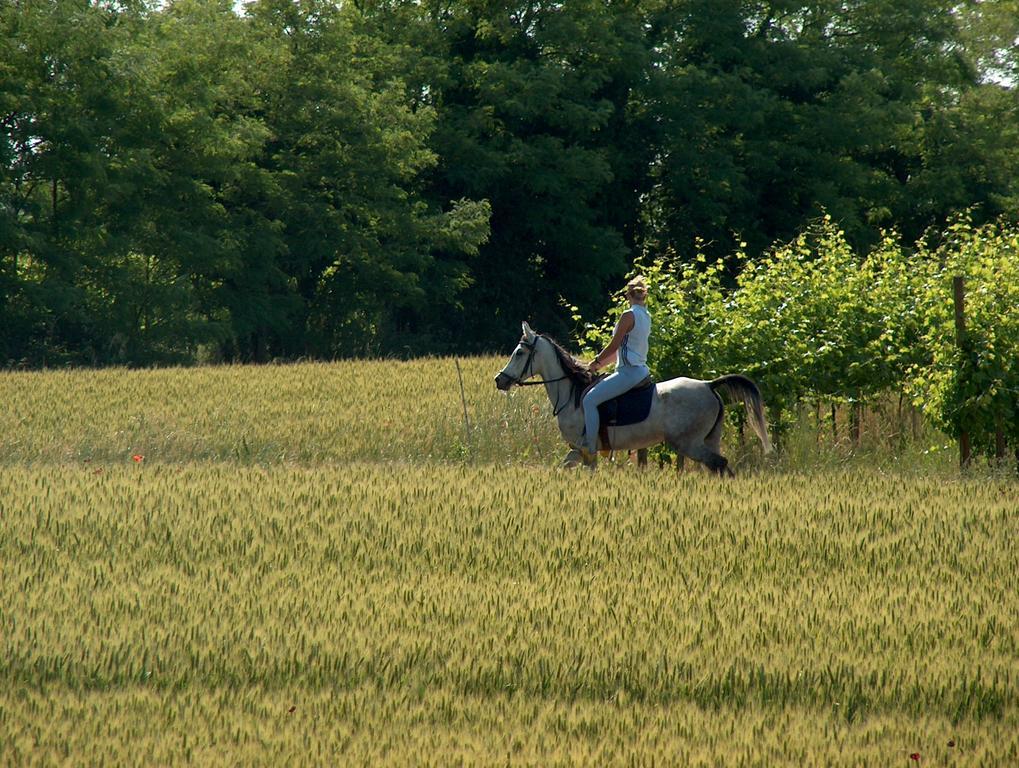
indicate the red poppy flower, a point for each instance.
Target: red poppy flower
{"x":915,"y":756}
{"x":137,"y":458}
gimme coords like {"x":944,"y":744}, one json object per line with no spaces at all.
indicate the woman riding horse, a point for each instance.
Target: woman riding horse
{"x":630,"y":346}
{"x":686,"y":414}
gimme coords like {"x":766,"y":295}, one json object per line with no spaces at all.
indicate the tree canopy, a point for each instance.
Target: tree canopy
{"x":192,"y":180}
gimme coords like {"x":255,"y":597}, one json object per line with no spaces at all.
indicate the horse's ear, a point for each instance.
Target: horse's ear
{"x":528,"y":333}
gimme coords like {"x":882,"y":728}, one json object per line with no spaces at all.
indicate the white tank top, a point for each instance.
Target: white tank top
{"x":633,"y":350}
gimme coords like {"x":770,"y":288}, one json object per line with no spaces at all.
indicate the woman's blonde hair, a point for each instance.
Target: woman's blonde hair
{"x":637,"y":287}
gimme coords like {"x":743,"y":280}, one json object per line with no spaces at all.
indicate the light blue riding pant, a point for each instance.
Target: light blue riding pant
{"x":625,"y":378}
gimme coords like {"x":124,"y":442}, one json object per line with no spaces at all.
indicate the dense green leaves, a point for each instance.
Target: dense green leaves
{"x":972,"y":382}
{"x":188,"y":179}
{"x":811,"y":322}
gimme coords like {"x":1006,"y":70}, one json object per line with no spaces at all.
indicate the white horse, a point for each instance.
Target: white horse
{"x":685,"y":413}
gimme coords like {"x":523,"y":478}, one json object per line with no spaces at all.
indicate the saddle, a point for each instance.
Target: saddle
{"x":631,"y":407}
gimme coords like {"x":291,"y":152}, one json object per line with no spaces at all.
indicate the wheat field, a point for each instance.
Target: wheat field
{"x":282,"y":414}
{"x":254,"y":566}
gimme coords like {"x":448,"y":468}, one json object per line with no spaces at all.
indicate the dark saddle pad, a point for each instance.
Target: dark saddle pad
{"x":630,"y":407}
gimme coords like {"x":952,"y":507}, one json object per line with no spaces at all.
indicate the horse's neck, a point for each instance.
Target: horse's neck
{"x":558,"y":386}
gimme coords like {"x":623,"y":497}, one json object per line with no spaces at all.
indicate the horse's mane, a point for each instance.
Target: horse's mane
{"x":575,"y":371}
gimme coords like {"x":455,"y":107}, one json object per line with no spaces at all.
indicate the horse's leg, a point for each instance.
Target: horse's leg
{"x":714,"y":460}
{"x":576,"y":456}
{"x":589,"y":460}
{"x":571,"y":459}
{"x":713,"y":442}
{"x":708,"y":455}
{"x":710,"y":458}
{"x":681,"y":450}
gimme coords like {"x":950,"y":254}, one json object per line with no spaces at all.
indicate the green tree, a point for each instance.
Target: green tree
{"x":62,"y":100}
{"x":348,"y":149}
{"x":772,"y":112}
{"x":532,"y":106}
{"x":200,"y":264}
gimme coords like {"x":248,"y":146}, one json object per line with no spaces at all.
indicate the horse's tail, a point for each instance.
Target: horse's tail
{"x":738,"y":387}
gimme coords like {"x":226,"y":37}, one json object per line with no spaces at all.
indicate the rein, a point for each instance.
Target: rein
{"x":556,"y":408}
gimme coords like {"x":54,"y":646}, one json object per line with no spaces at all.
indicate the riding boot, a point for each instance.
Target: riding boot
{"x":588,"y":452}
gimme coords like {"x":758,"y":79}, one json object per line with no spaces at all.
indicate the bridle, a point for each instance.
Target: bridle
{"x":527,"y":372}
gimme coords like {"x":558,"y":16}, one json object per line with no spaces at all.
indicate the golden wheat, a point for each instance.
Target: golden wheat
{"x":273,"y":579}
{"x":552,"y":597}
{"x":310,"y":413}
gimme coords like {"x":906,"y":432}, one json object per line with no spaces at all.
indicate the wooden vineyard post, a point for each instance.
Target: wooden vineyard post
{"x":959,"y":291}
{"x":463,"y":400}
{"x":855,"y":419}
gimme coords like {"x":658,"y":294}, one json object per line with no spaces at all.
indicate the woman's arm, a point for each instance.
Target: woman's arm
{"x":623,"y":327}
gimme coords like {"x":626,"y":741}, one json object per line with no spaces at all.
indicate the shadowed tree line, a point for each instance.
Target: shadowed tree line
{"x":179,"y":181}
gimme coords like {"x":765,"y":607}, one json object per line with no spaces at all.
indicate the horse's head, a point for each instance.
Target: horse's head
{"x":521,"y":363}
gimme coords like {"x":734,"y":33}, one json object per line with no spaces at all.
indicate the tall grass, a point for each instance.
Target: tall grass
{"x":292,"y":414}
{"x":263,"y":566}
{"x":361,"y":411}
{"x":556,"y":598}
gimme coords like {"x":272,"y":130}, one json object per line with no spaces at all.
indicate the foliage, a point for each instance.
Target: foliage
{"x":691,"y":296}
{"x":972,"y":383}
{"x":187,"y":176}
{"x":530,"y":101}
{"x":810,"y":320}
{"x":200,"y":179}
{"x":769,"y":113}
{"x":346,"y":151}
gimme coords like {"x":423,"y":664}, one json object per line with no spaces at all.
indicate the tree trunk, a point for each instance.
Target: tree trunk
{"x":855,"y":417}
{"x":900,"y":432}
